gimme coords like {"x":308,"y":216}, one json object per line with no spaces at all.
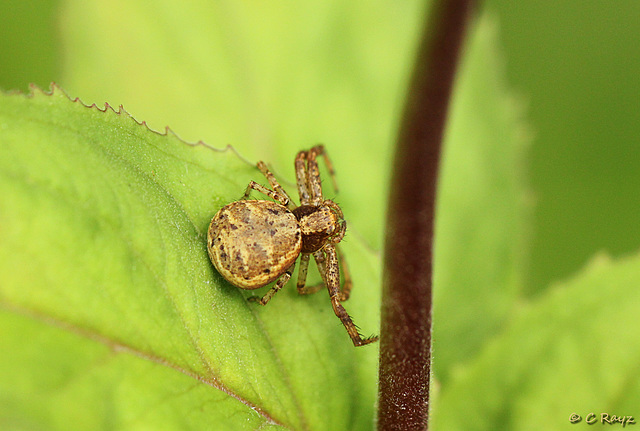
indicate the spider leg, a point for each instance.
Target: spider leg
{"x":345,"y":292}
{"x":308,"y":175}
{"x":276,"y":287}
{"x":331,"y":275}
{"x":302,"y":277}
{"x":265,"y":191}
{"x":319,"y":150}
{"x":302,"y":178}
{"x":313,"y":176}
{"x":278,"y":194}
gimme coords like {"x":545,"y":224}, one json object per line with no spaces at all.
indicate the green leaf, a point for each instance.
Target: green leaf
{"x":482,"y":213}
{"x":104,"y":270}
{"x":574,"y":350}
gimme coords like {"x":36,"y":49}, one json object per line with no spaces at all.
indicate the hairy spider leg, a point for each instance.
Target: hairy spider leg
{"x":345,"y":292}
{"x":313,"y":177}
{"x":327,"y":260}
{"x":319,"y":150}
{"x":302,"y":277}
{"x":301,"y":177}
{"x":284,"y":278}
{"x":308,"y":175}
{"x":278,"y":194}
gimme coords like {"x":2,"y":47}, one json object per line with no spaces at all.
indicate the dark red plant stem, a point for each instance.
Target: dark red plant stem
{"x":405,"y":343}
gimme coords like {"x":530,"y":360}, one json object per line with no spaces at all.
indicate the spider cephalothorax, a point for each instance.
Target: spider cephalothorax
{"x":253,"y":243}
{"x":320,"y":225}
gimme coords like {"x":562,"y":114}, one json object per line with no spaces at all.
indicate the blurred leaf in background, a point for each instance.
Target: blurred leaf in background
{"x":483,"y":211}
{"x":576,"y":64}
{"x":29,"y":44}
{"x":572,"y":352}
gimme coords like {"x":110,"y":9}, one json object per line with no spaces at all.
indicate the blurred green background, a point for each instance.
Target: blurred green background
{"x":574,"y":64}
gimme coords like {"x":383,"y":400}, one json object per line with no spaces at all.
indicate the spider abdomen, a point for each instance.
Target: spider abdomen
{"x":252,"y":243}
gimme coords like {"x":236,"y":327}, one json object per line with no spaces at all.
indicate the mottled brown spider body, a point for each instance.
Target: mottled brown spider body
{"x":252,"y":243}
{"x":255,"y":242}
{"x":317,"y":225}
